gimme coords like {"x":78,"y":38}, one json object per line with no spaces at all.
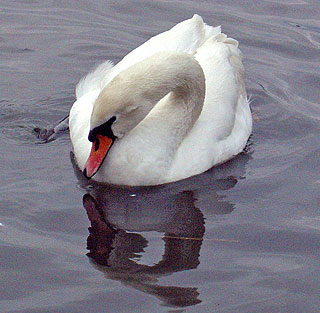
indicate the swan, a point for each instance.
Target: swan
{"x":172,"y":108}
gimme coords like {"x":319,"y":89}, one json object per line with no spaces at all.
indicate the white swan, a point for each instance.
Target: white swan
{"x":172,"y":108}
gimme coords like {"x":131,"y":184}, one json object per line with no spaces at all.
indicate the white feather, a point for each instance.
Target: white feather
{"x":219,"y":133}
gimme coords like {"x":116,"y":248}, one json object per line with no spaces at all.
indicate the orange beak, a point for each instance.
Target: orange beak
{"x":99,"y":150}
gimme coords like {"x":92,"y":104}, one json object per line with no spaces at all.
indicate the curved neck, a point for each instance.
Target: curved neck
{"x":174,"y":87}
{"x":176,"y":73}
{"x":156,"y":103}
{"x":168,"y":85}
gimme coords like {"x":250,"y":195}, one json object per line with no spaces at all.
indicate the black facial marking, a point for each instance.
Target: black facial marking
{"x":96,"y":145}
{"x":104,"y":130}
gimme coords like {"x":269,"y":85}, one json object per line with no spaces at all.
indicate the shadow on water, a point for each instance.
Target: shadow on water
{"x":119,"y":216}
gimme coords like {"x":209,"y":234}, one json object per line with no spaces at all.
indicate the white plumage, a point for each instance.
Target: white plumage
{"x":180,"y":103}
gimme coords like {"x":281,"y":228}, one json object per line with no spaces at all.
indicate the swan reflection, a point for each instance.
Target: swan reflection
{"x":120,"y":217}
{"x":115,"y":251}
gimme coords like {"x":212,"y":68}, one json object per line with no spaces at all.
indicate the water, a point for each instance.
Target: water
{"x":243,"y":237}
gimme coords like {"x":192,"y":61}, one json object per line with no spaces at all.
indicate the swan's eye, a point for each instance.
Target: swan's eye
{"x":104,"y":130}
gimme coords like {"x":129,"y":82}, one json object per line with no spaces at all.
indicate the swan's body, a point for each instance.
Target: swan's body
{"x":176,"y":105}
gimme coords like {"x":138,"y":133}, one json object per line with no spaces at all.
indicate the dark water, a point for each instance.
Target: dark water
{"x":243,"y":237}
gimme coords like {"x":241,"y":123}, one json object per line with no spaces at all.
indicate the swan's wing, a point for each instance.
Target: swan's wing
{"x":221,"y":61}
{"x":186,"y":37}
{"x":225,"y":122}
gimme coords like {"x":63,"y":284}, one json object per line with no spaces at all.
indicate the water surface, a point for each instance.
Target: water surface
{"x":242,"y":237}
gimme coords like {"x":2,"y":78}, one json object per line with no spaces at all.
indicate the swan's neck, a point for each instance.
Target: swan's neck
{"x":173,"y":84}
{"x":181,"y":78}
{"x":157,"y":101}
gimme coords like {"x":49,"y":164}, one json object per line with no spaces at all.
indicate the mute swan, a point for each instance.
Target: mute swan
{"x":172,"y":108}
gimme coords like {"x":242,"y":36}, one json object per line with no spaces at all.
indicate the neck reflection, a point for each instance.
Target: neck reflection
{"x":115,"y":251}
{"x":121,"y":217}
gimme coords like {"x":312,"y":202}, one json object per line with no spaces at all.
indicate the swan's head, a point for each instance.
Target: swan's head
{"x":114,"y":114}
